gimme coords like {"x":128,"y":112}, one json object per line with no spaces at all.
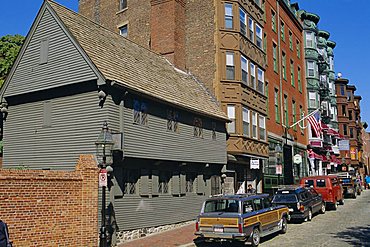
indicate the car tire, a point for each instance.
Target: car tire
{"x":323,"y":208}
{"x":309,"y":216}
{"x":335,"y":206}
{"x":284,"y":225}
{"x":341,"y":202}
{"x":256,"y":237}
{"x":354,"y":196}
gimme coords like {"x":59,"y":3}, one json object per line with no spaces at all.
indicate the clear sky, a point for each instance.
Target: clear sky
{"x":347,"y":21}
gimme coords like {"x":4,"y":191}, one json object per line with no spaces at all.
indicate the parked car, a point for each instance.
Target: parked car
{"x":350,"y":186}
{"x":244,"y":218}
{"x":302,"y":202}
{"x":328,"y":186}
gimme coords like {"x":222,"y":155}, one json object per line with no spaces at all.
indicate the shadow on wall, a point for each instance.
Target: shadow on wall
{"x":355,"y":236}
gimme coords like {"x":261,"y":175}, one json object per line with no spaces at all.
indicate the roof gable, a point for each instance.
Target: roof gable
{"x":136,"y":67}
{"x":66,"y":61}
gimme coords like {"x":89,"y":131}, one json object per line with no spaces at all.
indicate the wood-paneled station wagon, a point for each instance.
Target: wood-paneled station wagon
{"x":244,"y":218}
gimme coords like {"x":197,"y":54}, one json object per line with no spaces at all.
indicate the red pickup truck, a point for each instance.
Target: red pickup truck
{"x":328,"y":186}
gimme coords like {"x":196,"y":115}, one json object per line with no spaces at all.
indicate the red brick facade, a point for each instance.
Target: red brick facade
{"x":292,"y":90}
{"x":51,"y":208}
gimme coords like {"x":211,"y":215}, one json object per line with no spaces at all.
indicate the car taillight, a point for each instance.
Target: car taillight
{"x":240,"y":228}
{"x":301,"y":208}
{"x":197,"y":226}
{"x":330,"y":191}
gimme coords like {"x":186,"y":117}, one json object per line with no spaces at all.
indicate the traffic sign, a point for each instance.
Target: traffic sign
{"x":103,"y":178}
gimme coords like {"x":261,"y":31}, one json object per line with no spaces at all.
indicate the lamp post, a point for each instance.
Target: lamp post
{"x":104,"y":145}
{"x":278,"y":151}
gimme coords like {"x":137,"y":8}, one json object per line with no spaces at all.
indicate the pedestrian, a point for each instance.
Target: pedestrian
{"x":250,"y":189}
{"x":367,"y":181}
{"x":4,"y":236}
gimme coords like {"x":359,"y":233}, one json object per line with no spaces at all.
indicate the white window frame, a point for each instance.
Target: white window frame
{"x":259,"y":38}
{"x":230,"y":63}
{"x":231,"y":115}
{"x":312,"y":101}
{"x":311,"y":67}
{"x":252,"y":70}
{"x":251,"y":29}
{"x":310,"y":40}
{"x":229,"y":15}
{"x":254,"y":125}
{"x":260,"y":81}
{"x":262,"y":127}
{"x":122,"y":28}
{"x":246,"y":122}
{"x":244,"y":67}
{"x":243,"y":15}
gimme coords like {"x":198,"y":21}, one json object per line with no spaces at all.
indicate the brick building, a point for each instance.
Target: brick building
{"x":350,"y":126}
{"x":221,"y":43}
{"x":366,"y":147}
{"x":286,"y":87}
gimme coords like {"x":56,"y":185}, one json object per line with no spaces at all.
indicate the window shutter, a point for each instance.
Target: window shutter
{"x":155,"y":182}
{"x":182,"y":183}
{"x":144,"y":182}
{"x":175,"y":183}
{"x":118,"y":184}
{"x":200,"y":184}
{"x":44,"y":50}
{"x":47,"y":113}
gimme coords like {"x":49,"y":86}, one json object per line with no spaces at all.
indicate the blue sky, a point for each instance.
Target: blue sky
{"x":347,"y":21}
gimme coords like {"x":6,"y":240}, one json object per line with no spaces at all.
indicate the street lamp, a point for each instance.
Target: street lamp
{"x":278,"y":151}
{"x":104,"y":145}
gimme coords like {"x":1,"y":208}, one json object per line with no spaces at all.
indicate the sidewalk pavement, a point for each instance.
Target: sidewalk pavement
{"x":177,"y":237}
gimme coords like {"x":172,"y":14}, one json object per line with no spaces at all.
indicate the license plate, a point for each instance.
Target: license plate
{"x":218,"y":229}
{"x":291,"y":210}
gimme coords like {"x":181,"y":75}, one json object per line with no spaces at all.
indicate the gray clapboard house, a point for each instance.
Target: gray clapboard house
{"x":173,"y":131}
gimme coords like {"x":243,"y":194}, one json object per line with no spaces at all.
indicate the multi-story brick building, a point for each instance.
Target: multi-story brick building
{"x":221,"y":44}
{"x":350,"y":126}
{"x":320,"y":78}
{"x":366,"y":148}
{"x":286,"y":87}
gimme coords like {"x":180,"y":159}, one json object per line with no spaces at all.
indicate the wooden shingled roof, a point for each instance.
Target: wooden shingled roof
{"x":137,"y":68}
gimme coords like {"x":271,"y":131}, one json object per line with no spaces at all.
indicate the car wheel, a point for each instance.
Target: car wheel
{"x":309,"y":217}
{"x":335,"y":205}
{"x":354,"y":196}
{"x":341,"y":202}
{"x":284,"y":225}
{"x":323,"y":208}
{"x":256,"y":237}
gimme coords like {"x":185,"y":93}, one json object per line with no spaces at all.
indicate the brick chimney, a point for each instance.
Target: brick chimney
{"x":167,"y":35}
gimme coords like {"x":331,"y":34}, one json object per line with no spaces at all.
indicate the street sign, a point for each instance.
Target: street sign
{"x":279,"y":169}
{"x":255,"y":164}
{"x":343,"y":145}
{"x":103,"y":178}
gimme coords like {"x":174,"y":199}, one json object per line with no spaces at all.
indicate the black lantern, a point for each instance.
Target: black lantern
{"x":104,"y":145}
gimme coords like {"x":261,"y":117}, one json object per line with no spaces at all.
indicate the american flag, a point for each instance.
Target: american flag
{"x":314,"y":121}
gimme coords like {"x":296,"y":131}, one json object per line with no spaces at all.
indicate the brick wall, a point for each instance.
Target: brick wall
{"x":51,"y":208}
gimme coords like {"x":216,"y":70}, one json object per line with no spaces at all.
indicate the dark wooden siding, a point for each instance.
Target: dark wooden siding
{"x":65,"y":65}
{"x":75,"y":124}
{"x":154,"y":141}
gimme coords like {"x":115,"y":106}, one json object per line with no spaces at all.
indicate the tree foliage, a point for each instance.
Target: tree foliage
{"x":9,"y":49}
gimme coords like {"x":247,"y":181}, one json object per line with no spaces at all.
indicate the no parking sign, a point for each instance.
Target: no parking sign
{"x":103,"y":178}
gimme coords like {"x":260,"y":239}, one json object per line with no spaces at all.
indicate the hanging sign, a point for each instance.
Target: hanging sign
{"x":297,"y":159}
{"x":279,"y":169}
{"x":255,"y":164}
{"x":103,"y":178}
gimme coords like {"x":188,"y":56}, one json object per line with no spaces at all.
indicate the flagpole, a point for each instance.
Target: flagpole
{"x":308,"y":115}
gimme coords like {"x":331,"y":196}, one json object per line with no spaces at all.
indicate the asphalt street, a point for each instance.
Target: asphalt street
{"x":348,"y":226}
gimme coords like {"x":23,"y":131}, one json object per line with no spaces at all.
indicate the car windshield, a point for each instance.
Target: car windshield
{"x":221,"y":205}
{"x":285,"y":198}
